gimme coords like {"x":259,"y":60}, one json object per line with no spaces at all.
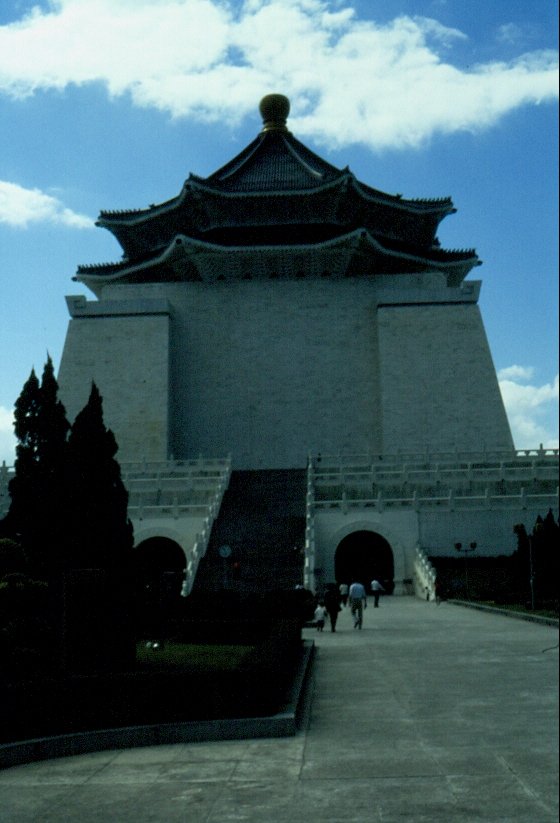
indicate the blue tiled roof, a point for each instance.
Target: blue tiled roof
{"x":274,"y":161}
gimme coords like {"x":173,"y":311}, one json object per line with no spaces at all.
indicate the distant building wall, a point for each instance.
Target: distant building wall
{"x":273,"y":369}
{"x":435,"y":532}
{"x":269,"y":370}
{"x":124,"y":348}
{"x":438,"y":383}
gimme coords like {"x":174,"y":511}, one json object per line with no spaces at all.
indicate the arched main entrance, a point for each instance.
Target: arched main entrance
{"x":160,"y":568}
{"x":364,"y":556}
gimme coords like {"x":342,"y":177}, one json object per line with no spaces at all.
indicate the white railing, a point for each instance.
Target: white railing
{"x":176,"y":488}
{"x":424,"y":576}
{"x":179,"y":489}
{"x":194,"y":556}
{"x":447,"y":480}
{"x":503,"y":471}
{"x":361,"y":460}
{"x":452,"y":501}
{"x":309,"y":563}
{"x":200,"y":465}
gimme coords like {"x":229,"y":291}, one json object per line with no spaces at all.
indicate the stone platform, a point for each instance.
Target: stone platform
{"x":430,"y":713}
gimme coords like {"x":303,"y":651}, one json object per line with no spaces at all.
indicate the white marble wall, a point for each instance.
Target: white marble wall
{"x":128,"y":358}
{"x":268,"y":370}
{"x":438,"y":383}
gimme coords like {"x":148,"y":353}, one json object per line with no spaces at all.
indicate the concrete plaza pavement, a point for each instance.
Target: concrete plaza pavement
{"x":429,"y":713}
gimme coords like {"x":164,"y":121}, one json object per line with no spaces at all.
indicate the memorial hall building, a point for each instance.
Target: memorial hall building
{"x":298,"y":378}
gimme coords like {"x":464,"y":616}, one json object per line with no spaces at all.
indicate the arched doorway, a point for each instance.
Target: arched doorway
{"x":364,"y":556}
{"x":160,"y":569}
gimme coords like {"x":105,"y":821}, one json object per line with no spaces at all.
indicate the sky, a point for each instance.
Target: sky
{"x":110,"y":104}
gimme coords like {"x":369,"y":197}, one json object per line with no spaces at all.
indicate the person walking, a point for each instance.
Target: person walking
{"x":332,"y":605}
{"x":320,"y":614}
{"x":343,"y":589}
{"x":358,"y":603}
{"x":376,"y":588}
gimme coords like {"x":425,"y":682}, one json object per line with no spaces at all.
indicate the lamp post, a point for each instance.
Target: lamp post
{"x":225,"y":554}
{"x":466,"y":550}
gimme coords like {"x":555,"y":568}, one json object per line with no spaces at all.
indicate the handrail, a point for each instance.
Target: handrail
{"x":370,"y":459}
{"x":450,"y":500}
{"x":309,"y":562}
{"x":424,"y":576}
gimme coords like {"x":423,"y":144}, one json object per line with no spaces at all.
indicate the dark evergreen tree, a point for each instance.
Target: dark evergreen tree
{"x":536,"y":561}
{"x":99,"y":533}
{"x":69,"y":515}
{"x":22,"y":518}
{"x":53,"y":427}
{"x":521,"y":565}
{"x":545,"y":555}
{"x":36,"y":515}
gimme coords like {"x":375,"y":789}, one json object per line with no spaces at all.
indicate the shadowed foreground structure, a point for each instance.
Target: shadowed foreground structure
{"x":430,"y":713}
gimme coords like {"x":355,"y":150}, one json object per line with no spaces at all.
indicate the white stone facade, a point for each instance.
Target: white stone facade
{"x":426,"y":502}
{"x":269,"y":370}
{"x":438,"y":383}
{"x":124,"y":348}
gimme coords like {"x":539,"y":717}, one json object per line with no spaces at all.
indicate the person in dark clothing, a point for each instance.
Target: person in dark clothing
{"x":332,"y":605}
{"x":376,"y":588}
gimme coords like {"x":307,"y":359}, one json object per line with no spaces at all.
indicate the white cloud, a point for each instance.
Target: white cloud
{"x":20,"y":206}
{"x":532,"y":410}
{"x":7,"y":437}
{"x":509,"y":33}
{"x":516,"y":373}
{"x":212,"y":60}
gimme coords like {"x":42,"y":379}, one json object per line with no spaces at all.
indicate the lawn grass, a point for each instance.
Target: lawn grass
{"x":194,"y":657}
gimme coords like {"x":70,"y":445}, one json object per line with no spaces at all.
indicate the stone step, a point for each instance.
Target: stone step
{"x":262,"y":520}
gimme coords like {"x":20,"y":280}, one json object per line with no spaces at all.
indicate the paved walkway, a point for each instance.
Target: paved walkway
{"x":430,"y":713}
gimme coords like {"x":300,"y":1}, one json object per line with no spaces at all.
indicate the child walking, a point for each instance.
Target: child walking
{"x":320,"y":615}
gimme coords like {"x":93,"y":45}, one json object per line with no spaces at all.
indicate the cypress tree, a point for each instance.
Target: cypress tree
{"x":99,"y":532}
{"x":24,"y":487}
{"x":36,"y":515}
{"x":53,"y":427}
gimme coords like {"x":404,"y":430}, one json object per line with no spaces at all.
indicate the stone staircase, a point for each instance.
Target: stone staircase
{"x":262,"y":521}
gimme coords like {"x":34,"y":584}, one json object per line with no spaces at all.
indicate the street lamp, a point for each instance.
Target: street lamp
{"x":466,"y":550}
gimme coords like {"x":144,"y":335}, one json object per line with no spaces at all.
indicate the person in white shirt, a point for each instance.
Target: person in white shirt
{"x":376,"y":588}
{"x":320,"y":615}
{"x":358,"y":603}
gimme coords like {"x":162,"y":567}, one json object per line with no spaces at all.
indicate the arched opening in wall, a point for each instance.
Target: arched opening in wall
{"x":160,"y":569}
{"x":365,"y":556}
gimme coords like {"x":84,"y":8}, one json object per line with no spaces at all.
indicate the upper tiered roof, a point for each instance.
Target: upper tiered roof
{"x":280,"y":199}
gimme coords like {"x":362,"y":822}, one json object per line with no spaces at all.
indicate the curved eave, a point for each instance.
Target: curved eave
{"x":111,"y":220}
{"x":201,"y":208}
{"x":191,"y":259}
{"x":441,"y":206}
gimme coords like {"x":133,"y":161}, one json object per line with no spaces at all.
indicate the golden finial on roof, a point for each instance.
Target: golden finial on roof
{"x":274,"y":109}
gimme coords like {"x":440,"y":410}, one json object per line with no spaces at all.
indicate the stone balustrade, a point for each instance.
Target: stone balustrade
{"x":309,"y":562}
{"x":424,"y":576}
{"x":389,"y":481}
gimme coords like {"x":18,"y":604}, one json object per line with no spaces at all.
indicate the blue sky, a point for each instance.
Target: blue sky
{"x":110,"y":104}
